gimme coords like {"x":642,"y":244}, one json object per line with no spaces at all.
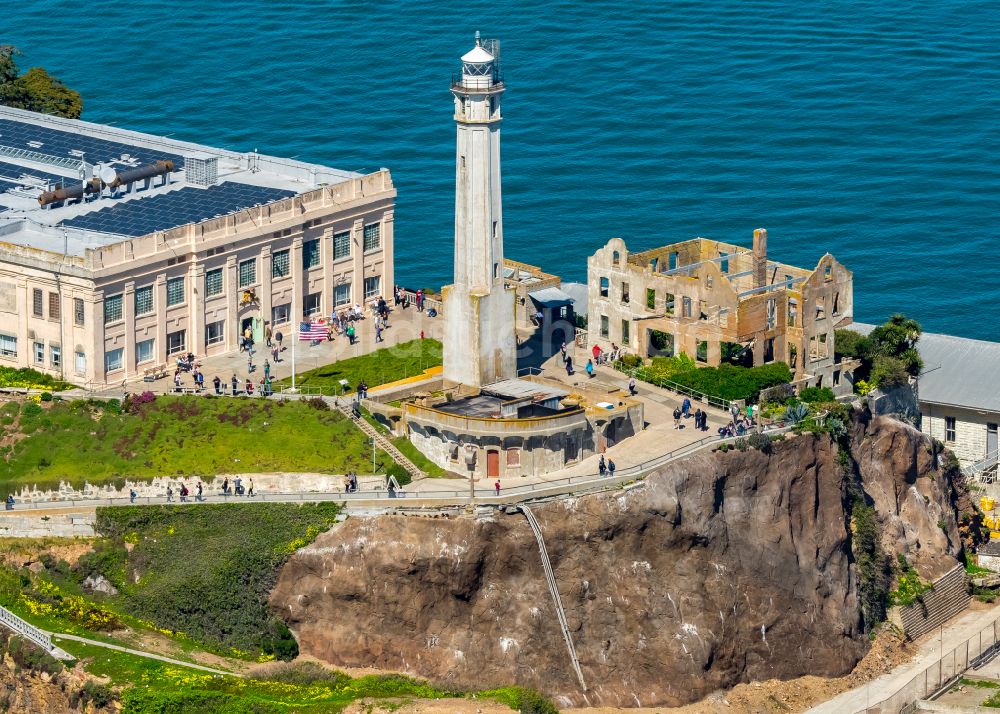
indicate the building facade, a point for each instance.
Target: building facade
{"x":714,"y":301}
{"x":96,"y":307}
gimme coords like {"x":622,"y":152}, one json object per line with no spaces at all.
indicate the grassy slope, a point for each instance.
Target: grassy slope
{"x":385,"y":365}
{"x":79,"y":441}
{"x":407,"y":448}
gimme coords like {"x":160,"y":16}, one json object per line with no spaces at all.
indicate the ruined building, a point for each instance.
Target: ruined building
{"x":716,"y":301}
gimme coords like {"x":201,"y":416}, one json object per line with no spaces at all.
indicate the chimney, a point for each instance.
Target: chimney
{"x":759,"y":257}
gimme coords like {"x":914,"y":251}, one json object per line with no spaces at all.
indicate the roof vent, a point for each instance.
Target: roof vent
{"x":201,"y":169}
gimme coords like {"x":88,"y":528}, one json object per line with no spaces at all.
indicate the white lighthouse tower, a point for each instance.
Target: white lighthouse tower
{"x":480,"y":346}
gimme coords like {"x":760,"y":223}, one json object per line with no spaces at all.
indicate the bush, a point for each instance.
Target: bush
{"x":402,"y":475}
{"x":27,"y":655}
{"x":778,"y":394}
{"x":731,"y":382}
{"x":630,"y":361}
{"x":319,"y":404}
{"x":31,"y":410}
{"x":849,"y":344}
{"x":46,"y":396}
{"x":889,"y":372}
{"x":761,"y":442}
{"x":27,"y":378}
{"x":113,"y":406}
{"x":522,"y":699}
{"x":279,"y":641}
{"x":817,"y":394}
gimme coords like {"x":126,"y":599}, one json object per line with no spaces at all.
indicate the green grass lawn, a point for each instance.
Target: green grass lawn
{"x":184,"y":436}
{"x":385,"y":365}
{"x":407,"y":448}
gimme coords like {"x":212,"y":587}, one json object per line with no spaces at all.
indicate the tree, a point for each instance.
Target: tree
{"x":897,"y":338}
{"x":849,"y":344}
{"x":36,"y":89}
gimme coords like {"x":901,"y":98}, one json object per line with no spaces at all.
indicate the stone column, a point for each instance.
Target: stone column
{"x":160,"y":301}
{"x":25,"y":346}
{"x":326,"y":260}
{"x":388,"y":269}
{"x":358,"y":262}
{"x":231,"y":281}
{"x":128,"y":309}
{"x":265,"y":283}
{"x":95,"y":317}
{"x":298,"y":282}
{"x":196,"y":308}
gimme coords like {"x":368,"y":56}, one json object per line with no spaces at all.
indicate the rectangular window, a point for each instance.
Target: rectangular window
{"x":604,"y":325}
{"x":310,"y":306}
{"x":373,"y":236}
{"x":39,"y":350}
{"x":513,"y":457}
{"x":8,"y":346}
{"x":81,"y":363}
{"x":310,"y":254}
{"x":175,"y":291}
{"x":625,"y":293}
{"x":36,"y":302}
{"x":650,"y":299}
{"x":341,"y":245}
{"x":949,"y":428}
{"x":342,"y":295}
{"x":605,"y":283}
{"x":144,"y":300}
{"x":686,"y":307}
{"x":213,"y":282}
{"x":701,"y":351}
{"x":248,"y":272}
{"x":280,"y":314}
{"x":113,"y":360}
{"x":668,"y":304}
{"x":112,"y":309}
{"x":372,"y":286}
{"x":78,"y":311}
{"x":144,"y":351}
{"x":772,"y":313}
{"x":625,"y":330}
{"x":175,"y":342}
{"x":280,"y":267}
{"x":54,"y":308}
{"x":55,"y":355}
{"x":215,"y":332}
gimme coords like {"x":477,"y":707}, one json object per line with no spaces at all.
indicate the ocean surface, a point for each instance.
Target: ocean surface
{"x":867,"y":129}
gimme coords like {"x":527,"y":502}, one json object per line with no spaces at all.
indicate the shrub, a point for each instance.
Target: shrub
{"x":113,"y":406}
{"x":630,"y":361}
{"x":27,"y":655}
{"x":279,"y":641}
{"x":31,"y":410}
{"x":522,"y":699}
{"x":888,"y":372}
{"x":761,"y":442}
{"x":402,"y":475}
{"x":46,"y":396}
{"x":849,"y":344}
{"x":319,"y":404}
{"x":731,"y":382}
{"x":778,"y":394}
{"x":817,"y":394}
{"x":795,"y":413}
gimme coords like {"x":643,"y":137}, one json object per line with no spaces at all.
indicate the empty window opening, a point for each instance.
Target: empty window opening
{"x":686,"y":307}
{"x":668,"y":304}
{"x":769,"y":350}
{"x":724,"y":263}
{"x":701,"y":354}
{"x":827,"y":273}
{"x":949,"y":428}
{"x":625,"y":296}
{"x":616,"y":257}
{"x":820,"y":308}
{"x":793,"y":355}
{"x":772,"y":313}
{"x":605,"y":286}
{"x":625,"y":332}
{"x":793,"y":311}
{"x":708,"y":281}
{"x":604,"y":326}
{"x":836,"y":303}
{"x":673,"y":261}
{"x":659,"y":344}
{"x":650,"y":299}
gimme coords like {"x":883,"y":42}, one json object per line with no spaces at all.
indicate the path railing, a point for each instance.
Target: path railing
{"x":984,"y":470}
{"x":673,"y":387}
{"x":29,"y":632}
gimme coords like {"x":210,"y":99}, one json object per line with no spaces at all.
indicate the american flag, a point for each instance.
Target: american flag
{"x":312,"y":330}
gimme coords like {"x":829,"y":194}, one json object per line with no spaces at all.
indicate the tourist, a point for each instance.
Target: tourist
{"x":199,"y":497}
{"x":267,"y":335}
{"x":131,"y":495}
{"x":184,"y":492}
{"x":395,"y":295}
{"x":266,"y":389}
{"x":378,"y":332}
{"x":590,"y":369}
{"x":177,"y":380}
{"x":750,"y":413}
{"x":201,"y":380}
{"x":10,"y":502}
{"x":611,"y":468}
{"x":250,"y":489}
{"x":250,"y":367}
{"x":225,"y":486}
{"x":350,"y":333}
{"x":631,"y":386}
{"x":249,"y":387}
{"x":562,"y":351}
{"x":274,"y":353}
{"x":602,"y":466}
{"x":170,"y":494}
{"x":677,"y":418}
{"x":497,"y":487}
{"x":238,"y":486}
{"x":277,"y":338}
{"x":267,"y":369}
{"x":686,"y":408}
{"x":420,"y":300}
{"x":236,"y":383}
{"x":569,"y":365}
{"x":697,"y":419}
{"x":596,"y":351}
{"x":217,"y":383}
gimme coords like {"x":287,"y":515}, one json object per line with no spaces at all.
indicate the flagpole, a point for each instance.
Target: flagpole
{"x":295,"y":338}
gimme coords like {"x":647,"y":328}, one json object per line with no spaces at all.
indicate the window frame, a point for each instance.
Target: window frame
{"x":285,"y":259}
{"x":114,"y":300}
{"x":950,"y":429}
{"x":183,"y":343}
{"x":79,"y":312}
{"x":218,"y":339}
{"x":346,"y":237}
{"x":370,"y":293}
{"x":171,"y":282}
{"x":311,"y":254}
{"x":144,"y":290}
{"x":107,"y":361}
{"x":38,"y":352}
{"x":212,"y":274}
{"x":306,"y":310}
{"x":251,"y":275}
{"x":37,"y":302}
{"x":372,"y":236}
{"x":277,"y":319}
{"x":54,"y":302}
{"x":336,"y":288}
{"x":152,"y":351}
{"x":55,"y":356}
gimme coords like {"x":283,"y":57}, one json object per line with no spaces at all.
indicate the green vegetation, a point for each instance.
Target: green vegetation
{"x":385,"y":365}
{"x":980,"y":683}
{"x":910,"y":587}
{"x":406,"y":448}
{"x":817,"y":394}
{"x":27,"y":656}
{"x":727,"y":381}
{"x":36,"y":89}
{"x":521,"y":699}
{"x":972,"y":569}
{"x":888,"y":355}
{"x":184,"y":573}
{"x":26,"y":378}
{"x":93,"y":441}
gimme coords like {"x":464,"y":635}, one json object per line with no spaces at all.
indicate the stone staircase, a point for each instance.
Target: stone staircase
{"x":380,"y":440}
{"x":949,"y":597}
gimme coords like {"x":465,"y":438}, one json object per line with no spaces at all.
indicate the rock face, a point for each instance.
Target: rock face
{"x":720,"y":569}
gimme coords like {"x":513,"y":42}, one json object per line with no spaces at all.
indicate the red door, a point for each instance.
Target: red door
{"x":492,"y":464}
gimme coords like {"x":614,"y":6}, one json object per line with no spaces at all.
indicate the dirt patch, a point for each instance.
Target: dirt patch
{"x":426,"y":706}
{"x":19,"y":552}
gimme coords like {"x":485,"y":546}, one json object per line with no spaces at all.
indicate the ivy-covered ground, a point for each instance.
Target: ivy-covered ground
{"x":46,"y":442}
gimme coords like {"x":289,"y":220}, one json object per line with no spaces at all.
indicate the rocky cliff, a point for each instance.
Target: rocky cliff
{"x":719,"y":569}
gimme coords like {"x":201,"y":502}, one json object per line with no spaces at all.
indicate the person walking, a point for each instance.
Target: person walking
{"x":249,"y":387}
{"x":131,"y":495}
{"x":569,"y":365}
{"x":611,"y":468}
{"x":497,"y":486}
{"x":184,"y":492}
{"x":686,"y":408}
{"x":225,"y":486}
{"x":378,"y":332}
{"x":199,"y":497}
{"x":274,"y":353}
{"x":236,"y":384}
{"x":250,"y":488}
{"x":590,"y":369}
{"x":267,"y":335}
{"x":602,"y":466}
{"x":170,"y":494}
{"x":217,"y":383}
{"x":677,"y":418}
{"x":697,"y":419}
{"x":10,"y":502}
{"x":250,"y":367}
{"x":631,"y":386}
{"x":277,"y":338}
{"x":267,"y":369}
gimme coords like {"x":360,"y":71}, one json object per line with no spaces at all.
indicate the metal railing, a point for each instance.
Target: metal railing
{"x":637,"y":372}
{"x":28,"y":631}
{"x":941,"y":674}
{"x":985,"y":469}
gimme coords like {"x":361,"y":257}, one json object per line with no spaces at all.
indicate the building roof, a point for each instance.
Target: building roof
{"x":477,"y":55}
{"x":550,"y":297}
{"x":39,"y":152}
{"x":523,"y":388}
{"x":957,"y":371}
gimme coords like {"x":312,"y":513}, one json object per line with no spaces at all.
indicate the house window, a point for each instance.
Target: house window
{"x":342,"y":294}
{"x":112,"y":309}
{"x":144,"y":351}
{"x":949,"y":428}
{"x":81,"y":363}
{"x":605,"y":286}
{"x":513,"y":457}
{"x":772,"y":313}
{"x":373,"y":236}
{"x":248,"y":272}
{"x":650,"y":299}
{"x":604,"y":325}
{"x":701,"y":351}
{"x":686,"y":307}
{"x":616,"y":257}
{"x":175,"y":291}
{"x":372,"y":286}
{"x":310,"y":306}
{"x":310,"y":254}
{"x":280,"y":314}
{"x":668,"y":304}
{"x":113,"y":360}
{"x":8,"y":346}
{"x":39,"y":350}
{"x":36,"y":302}
{"x":625,"y":293}
{"x":54,"y":309}
{"x":144,"y":300}
{"x":213,"y":282}
{"x":341,"y":245}
{"x":625,"y":329}
{"x":769,"y":350}
{"x":724,"y":263}
{"x":280,"y":267}
{"x":836,"y":303}
{"x":175,"y":341}
{"x":793,"y":310}
{"x":78,"y":312}
{"x":215,"y":332}
{"x":793,"y":356}
{"x":55,"y":355}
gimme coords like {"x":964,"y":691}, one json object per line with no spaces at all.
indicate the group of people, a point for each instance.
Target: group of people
{"x":567,"y":359}
{"x":606,"y":468}
{"x":603,"y":357}
{"x":684,"y":412}
{"x":237,"y":488}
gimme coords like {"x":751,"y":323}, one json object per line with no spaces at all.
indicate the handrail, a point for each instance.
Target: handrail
{"x":674,"y":387}
{"x":984,"y":464}
{"x":25,"y":629}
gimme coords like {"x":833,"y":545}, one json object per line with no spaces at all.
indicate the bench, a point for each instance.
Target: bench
{"x":153,"y":373}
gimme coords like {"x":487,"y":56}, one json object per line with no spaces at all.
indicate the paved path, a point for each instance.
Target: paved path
{"x":140,"y":653}
{"x":931,"y":647}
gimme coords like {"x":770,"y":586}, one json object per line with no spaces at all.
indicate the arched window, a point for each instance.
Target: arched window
{"x":616,"y":257}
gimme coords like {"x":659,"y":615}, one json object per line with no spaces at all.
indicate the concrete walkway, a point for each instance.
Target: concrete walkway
{"x":931,"y":647}
{"x":140,"y":653}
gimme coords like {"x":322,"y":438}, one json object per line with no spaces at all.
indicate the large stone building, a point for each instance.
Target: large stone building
{"x":121,"y":250}
{"x":712,"y":300}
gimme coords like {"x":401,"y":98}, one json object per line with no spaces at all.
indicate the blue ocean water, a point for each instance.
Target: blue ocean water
{"x":864,"y":128}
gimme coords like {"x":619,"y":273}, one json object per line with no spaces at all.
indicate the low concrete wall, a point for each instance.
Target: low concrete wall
{"x":37,"y":525}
